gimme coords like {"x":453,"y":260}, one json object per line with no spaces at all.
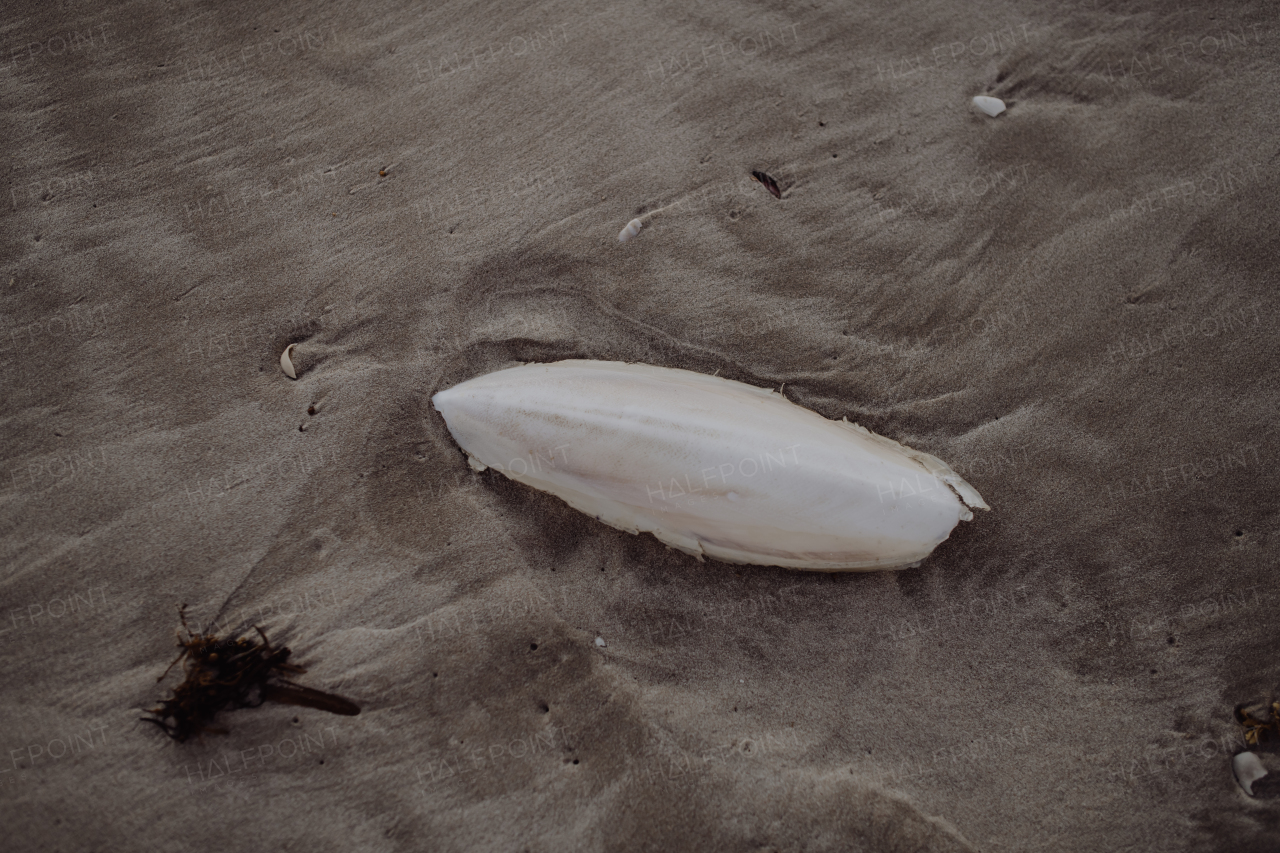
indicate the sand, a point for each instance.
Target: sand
{"x":1073,"y":304}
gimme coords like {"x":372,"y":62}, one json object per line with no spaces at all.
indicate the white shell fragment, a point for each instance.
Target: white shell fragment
{"x":632,"y":229}
{"x":991,"y":106}
{"x":710,"y":466}
{"x":600,"y":642}
{"x":1248,"y":769}
{"x":286,"y":363}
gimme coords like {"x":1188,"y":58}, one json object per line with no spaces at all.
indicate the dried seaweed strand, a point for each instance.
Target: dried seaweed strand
{"x":232,"y":672}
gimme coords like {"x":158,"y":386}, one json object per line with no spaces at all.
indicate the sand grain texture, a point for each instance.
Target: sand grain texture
{"x":1073,"y":304}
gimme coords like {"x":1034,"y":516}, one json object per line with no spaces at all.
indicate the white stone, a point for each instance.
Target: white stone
{"x":632,"y":229}
{"x":1248,"y":769}
{"x":991,"y":106}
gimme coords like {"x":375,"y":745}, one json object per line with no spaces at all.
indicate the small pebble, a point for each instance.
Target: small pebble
{"x":1248,"y":769}
{"x":600,"y":642}
{"x":991,"y":106}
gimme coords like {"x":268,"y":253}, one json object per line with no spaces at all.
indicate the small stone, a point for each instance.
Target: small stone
{"x":1248,"y":769}
{"x":991,"y":106}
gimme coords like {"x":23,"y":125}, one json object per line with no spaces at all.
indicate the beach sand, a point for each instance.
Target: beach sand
{"x":1073,"y":304}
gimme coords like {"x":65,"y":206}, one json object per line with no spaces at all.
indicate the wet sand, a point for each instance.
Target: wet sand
{"x":1073,"y":304}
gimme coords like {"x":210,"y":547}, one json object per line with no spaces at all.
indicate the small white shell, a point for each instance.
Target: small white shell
{"x":632,"y":229}
{"x":286,"y":363}
{"x":991,"y":106}
{"x":600,"y":642}
{"x":710,"y":466}
{"x":1248,"y":769}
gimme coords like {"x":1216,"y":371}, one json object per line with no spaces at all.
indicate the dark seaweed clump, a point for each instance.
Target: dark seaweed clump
{"x":225,"y":673}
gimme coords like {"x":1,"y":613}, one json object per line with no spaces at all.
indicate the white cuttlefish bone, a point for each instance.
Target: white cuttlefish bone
{"x":709,"y":466}
{"x":286,"y":363}
{"x":989,"y":105}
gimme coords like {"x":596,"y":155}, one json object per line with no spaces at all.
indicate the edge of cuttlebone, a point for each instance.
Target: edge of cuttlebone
{"x":968,"y":495}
